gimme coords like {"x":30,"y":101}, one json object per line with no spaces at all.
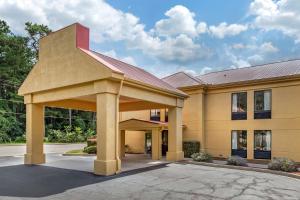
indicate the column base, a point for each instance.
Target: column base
{"x":105,"y":167}
{"x":175,"y":156}
{"x":34,"y":159}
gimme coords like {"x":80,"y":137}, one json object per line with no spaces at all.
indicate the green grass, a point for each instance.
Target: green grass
{"x":76,"y":151}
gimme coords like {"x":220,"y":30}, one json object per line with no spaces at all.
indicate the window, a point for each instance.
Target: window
{"x":155,"y":115}
{"x":262,"y":144}
{"x":239,"y":143}
{"x":262,"y":104}
{"x":239,"y":106}
{"x":166,"y":115}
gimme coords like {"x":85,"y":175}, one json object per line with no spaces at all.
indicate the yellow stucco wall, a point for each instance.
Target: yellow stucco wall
{"x":207,"y":117}
{"x":136,"y":141}
{"x":285,"y":122}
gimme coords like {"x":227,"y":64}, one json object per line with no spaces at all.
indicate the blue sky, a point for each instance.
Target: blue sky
{"x":164,"y":37}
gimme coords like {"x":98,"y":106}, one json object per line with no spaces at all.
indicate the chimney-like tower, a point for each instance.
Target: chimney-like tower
{"x":62,"y":42}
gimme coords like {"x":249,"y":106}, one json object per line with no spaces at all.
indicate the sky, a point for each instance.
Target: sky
{"x":164,"y":37}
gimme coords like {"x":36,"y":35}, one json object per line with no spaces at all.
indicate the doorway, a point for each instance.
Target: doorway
{"x":148,"y":143}
{"x":164,"y":142}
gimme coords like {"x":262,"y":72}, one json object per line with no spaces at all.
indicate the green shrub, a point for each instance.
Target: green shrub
{"x":236,"y":160}
{"x":4,"y":138}
{"x":90,"y":133}
{"x":21,"y":139}
{"x":90,"y":150}
{"x":190,"y":147}
{"x":283,"y":164}
{"x":68,"y":135}
{"x":201,"y":157}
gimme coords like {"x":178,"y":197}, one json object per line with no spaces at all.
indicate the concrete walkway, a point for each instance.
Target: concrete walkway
{"x":20,"y":149}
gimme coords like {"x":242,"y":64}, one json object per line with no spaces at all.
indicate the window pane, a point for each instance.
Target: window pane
{"x":262,"y":140}
{"x":267,"y":100}
{"x":262,"y":100}
{"x":239,"y":140}
{"x":259,"y":101}
{"x":234,"y":103}
{"x":234,"y":139}
{"x":239,"y":102}
{"x":242,"y":102}
{"x":268,"y":141}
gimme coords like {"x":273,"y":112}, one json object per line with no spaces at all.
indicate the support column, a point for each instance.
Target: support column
{"x":122,"y":144}
{"x":107,"y":162}
{"x":156,"y":144}
{"x":35,"y":131}
{"x":175,"y":152}
{"x":250,"y":144}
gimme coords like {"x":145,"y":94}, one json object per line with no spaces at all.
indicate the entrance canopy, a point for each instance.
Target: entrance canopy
{"x":141,"y":125}
{"x":70,"y":75}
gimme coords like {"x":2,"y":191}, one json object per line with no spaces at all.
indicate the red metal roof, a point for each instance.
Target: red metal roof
{"x":182,"y":79}
{"x":254,"y":73}
{"x":259,"y":72}
{"x":135,"y":73}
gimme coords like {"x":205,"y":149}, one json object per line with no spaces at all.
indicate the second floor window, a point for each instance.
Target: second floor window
{"x":155,"y":115}
{"x":262,"y":104}
{"x":239,"y":106}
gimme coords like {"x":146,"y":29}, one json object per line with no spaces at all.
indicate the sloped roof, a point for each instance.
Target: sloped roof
{"x":133,"y":73}
{"x":259,"y":72}
{"x":182,"y":79}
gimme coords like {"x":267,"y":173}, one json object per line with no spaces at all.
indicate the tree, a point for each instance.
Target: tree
{"x":18,"y":54}
{"x":35,"y":33}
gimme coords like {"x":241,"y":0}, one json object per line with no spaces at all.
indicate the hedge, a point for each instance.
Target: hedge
{"x":190,"y":147}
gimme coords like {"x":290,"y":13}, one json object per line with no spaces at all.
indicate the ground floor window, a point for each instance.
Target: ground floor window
{"x":239,"y":143}
{"x":262,"y":144}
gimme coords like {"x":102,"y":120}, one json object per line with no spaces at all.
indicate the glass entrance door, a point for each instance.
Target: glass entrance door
{"x":239,"y":143}
{"x":164,"y":145}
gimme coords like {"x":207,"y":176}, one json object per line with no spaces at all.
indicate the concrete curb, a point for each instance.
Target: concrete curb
{"x":242,"y":168}
{"x":79,"y":154}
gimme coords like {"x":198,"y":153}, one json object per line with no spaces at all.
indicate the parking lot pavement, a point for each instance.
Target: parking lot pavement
{"x":169,"y":181}
{"x":20,"y":149}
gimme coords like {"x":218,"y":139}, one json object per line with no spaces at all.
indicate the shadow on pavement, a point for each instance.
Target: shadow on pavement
{"x":41,"y":181}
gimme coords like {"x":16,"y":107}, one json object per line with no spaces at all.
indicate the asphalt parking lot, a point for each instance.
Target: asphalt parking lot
{"x":165,"y":181}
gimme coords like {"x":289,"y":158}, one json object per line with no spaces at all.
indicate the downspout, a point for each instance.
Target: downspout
{"x":117,"y":130}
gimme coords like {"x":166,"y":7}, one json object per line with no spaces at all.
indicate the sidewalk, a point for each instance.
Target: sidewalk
{"x":250,"y":167}
{"x":19,"y":149}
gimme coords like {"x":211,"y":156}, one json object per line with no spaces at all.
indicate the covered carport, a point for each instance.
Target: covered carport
{"x":70,"y":75}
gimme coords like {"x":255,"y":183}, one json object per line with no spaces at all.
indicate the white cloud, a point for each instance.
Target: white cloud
{"x":255,"y":58}
{"x":239,"y":46}
{"x":237,"y":61}
{"x":205,"y":70}
{"x":281,"y":15}
{"x":202,"y":27}
{"x":180,"y":21}
{"x":223,"y":30}
{"x":264,"y":48}
{"x":268,"y":47}
{"x":127,"y":59}
{"x":181,"y":49}
{"x":108,"y":23}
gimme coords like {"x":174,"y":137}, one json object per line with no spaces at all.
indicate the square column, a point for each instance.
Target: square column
{"x":122,"y":144}
{"x":175,"y":152}
{"x":156,"y":144}
{"x":35,"y":131}
{"x":107,"y":162}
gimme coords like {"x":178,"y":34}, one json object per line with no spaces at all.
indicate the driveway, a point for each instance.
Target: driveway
{"x":168,"y":181}
{"x":20,"y":149}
